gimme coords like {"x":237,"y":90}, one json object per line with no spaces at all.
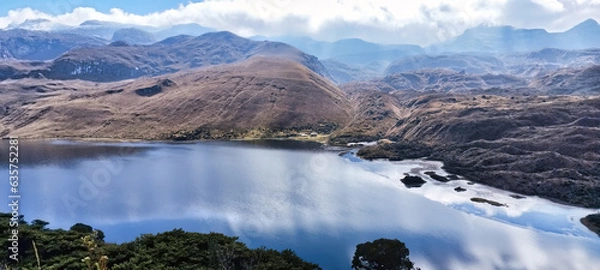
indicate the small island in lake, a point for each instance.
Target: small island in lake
{"x":411,"y":181}
{"x":592,"y":222}
{"x":482,"y":200}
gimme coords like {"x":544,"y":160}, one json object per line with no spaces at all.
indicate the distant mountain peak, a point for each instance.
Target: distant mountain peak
{"x":589,"y":21}
{"x":133,"y":36}
{"x":589,"y":24}
{"x":99,"y":23}
{"x":91,"y":22}
{"x":221,"y":36}
{"x":119,"y":43}
{"x":35,"y":25}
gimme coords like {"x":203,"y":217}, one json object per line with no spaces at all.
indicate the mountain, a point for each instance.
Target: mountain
{"x":443,"y":80}
{"x":119,"y":60}
{"x":139,"y":34}
{"x":345,"y":50}
{"x":528,"y":64}
{"x":37,"y":25}
{"x":259,"y":95}
{"x":97,"y":29}
{"x":133,"y":36}
{"x":40,"y":45}
{"x":343,"y":73}
{"x":497,"y":39}
{"x":570,"y":81}
{"x":469,"y":63}
{"x":545,"y":146}
{"x":583,"y":35}
{"x":349,"y":58}
{"x":508,"y":39}
{"x":190,"y":29}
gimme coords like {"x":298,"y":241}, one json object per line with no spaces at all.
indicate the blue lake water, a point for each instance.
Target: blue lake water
{"x":294,"y":195}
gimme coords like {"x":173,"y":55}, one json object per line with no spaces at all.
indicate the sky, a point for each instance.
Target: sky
{"x":384,"y":21}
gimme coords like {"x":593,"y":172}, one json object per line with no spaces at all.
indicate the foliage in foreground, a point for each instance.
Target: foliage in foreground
{"x":382,"y":254}
{"x":83,"y":248}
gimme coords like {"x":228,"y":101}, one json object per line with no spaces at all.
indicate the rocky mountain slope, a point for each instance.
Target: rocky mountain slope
{"x":570,"y":81}
{"x":565,"y":81}
{"x":546,"y":146}
{"x":260,"y":95}
{"x":443,"y":80}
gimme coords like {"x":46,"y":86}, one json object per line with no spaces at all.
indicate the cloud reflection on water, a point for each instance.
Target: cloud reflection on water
{"x":301,"y":200}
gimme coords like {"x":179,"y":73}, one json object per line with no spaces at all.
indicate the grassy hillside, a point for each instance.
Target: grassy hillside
{"x":257,"y":97}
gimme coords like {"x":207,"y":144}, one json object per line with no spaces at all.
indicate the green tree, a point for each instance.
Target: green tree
{"x":82,"y":228}
{"x":39,"y":224}
{"x":382,"y":254}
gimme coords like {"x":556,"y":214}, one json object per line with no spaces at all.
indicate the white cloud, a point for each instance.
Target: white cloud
{"x":386,"y":21}
{"x":550,"y":5}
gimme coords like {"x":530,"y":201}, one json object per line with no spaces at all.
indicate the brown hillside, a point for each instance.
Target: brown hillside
{"x":263,"y":94}
{"x":547,"y":146}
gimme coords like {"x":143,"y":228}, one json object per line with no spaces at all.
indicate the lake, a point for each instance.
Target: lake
{"x":299,"y":196}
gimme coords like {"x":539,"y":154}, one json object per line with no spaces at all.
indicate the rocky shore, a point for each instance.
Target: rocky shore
{"x":544,"y":146}
{"x":592,"y":222}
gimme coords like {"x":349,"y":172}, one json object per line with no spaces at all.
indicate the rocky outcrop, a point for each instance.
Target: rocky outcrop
{"x":592,"y":222}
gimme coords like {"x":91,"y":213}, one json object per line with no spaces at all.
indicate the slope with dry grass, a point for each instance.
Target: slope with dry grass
{"x":256,"y":97}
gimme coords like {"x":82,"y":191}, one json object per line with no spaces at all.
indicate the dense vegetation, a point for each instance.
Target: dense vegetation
{"x":81,"y":247}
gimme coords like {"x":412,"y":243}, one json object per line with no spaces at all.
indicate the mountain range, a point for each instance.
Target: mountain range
{"x":343,"y":56}
{"x":119,"y":60}
{"x":503,"y":39}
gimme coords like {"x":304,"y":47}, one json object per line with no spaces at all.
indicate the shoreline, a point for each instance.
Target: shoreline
{"x":322,"y":139}
{"x":442,"y":167}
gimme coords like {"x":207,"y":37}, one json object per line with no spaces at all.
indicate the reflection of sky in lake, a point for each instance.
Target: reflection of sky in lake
{"x":317,"y":203}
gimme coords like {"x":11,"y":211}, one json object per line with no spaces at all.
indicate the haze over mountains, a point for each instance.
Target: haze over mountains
{"x":508,"y":39}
